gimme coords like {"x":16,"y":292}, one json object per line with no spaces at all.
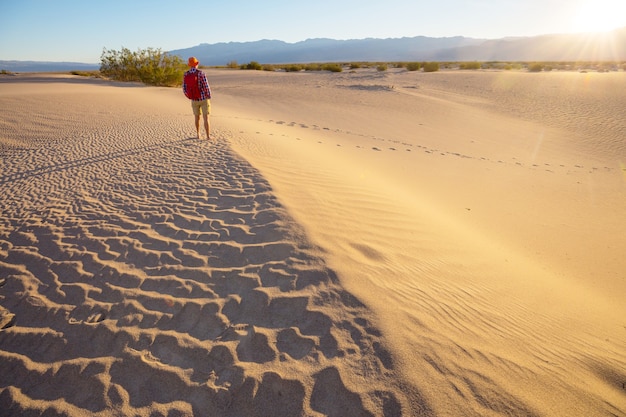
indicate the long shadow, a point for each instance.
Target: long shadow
{"x":5,"y":179}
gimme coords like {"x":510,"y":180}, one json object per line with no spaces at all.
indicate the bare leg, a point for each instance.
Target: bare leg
{"x":206,"y":126}
{"x":197,"y":121}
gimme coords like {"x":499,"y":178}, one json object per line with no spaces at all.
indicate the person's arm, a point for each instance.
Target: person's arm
{"x":205,"y":85}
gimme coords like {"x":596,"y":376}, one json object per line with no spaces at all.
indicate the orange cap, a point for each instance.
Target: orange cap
{"x":192,"y":62}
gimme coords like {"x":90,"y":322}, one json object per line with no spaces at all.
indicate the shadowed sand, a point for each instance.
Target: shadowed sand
{"x":352,"y":244}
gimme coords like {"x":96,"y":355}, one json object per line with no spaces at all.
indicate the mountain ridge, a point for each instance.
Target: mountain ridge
{"x":606,"y":46}
{"x":609,"y":46}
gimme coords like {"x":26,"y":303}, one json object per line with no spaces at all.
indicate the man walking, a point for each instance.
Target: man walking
{"x":197,"y":89}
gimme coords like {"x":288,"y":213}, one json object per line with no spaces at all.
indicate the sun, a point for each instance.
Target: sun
{"x":599,"y":15}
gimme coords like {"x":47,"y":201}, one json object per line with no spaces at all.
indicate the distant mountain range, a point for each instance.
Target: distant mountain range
{"x":609,"y":46}
{"x":43,"y":66}
{"x":325,"y":50}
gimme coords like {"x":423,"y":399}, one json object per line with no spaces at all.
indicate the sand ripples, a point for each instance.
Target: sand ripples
{"x":151,"y":274}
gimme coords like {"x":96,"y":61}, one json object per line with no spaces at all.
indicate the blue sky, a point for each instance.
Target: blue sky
{"x":77,"y":31}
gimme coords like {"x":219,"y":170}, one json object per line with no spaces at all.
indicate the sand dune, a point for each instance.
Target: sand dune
{"x":147,"y":273}
{"x":483,"y":226}
{"x":351,"y":244}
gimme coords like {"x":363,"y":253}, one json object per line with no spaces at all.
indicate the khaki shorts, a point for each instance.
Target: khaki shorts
{"x":205,"y":105}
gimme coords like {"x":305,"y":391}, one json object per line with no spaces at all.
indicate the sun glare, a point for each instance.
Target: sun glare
{"x":599,"y":15}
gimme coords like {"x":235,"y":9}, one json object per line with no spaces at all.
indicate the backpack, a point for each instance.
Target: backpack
{"x":192,"y":88}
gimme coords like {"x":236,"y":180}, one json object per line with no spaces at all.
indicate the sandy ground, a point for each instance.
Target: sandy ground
{"x":363,"y":243}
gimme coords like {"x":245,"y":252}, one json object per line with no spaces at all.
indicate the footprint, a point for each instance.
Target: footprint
{"x":233,"y":332}
{"x":95,"y":318}
{"x":146,"y":357}
{"x":7,"y":319}
{"x":255,"y":347}
{"x":292,"y":342}
{"x":280,"y":395}
{"x":331,"y":394}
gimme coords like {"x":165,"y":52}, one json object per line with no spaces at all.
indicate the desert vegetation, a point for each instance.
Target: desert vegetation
{"x":413,"y":66}
{"x":149,"y":66}
{"x":431,"y":66}
{"x":437,"y":66}
{"x":254,"y":65}
{"x":470,"y":65}
{"x":154,"y":67}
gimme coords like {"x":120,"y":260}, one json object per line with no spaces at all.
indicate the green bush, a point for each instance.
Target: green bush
{"x":470,"y":65}
{"x":535,"y":67}
{"x":413,"y":66}
{"x":431,"y":66}
{"x":332,"y":67}
{"x":294,"y":68}
{"x":149,"y":66}
{"x":252,"y":65}
{"x":382,"y":67}
{"x":232,"y":64}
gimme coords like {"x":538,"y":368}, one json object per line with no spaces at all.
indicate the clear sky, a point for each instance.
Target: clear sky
{"x":77,"y":31}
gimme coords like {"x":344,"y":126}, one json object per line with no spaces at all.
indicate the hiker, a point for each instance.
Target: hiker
{"x":197,"y":89}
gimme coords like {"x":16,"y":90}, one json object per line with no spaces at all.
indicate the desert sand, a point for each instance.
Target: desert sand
{"x":356,"y":244}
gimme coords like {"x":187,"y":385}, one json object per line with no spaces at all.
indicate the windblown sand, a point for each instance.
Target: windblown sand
{"x":356,"y":244}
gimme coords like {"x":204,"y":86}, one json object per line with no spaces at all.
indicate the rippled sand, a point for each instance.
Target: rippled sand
{"x":349,"y":244}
